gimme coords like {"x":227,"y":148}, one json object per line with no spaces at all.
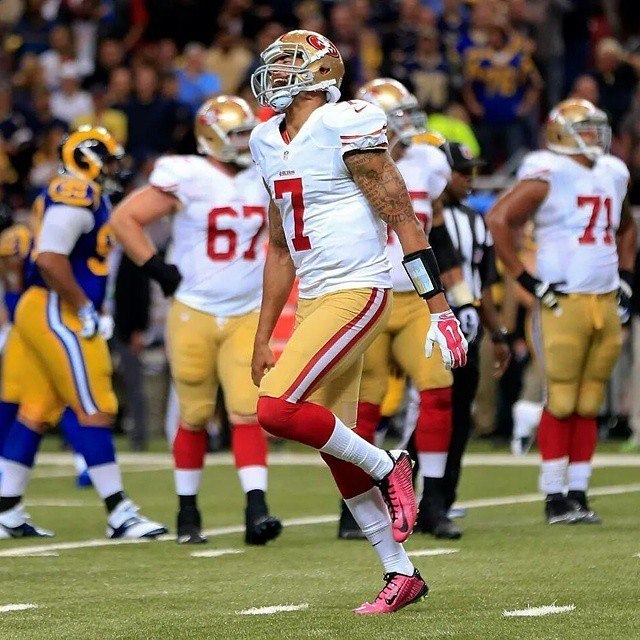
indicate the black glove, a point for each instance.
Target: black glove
{"x":166,"y":275}
{"x":546,"y":292}
{"x":625,"y":294}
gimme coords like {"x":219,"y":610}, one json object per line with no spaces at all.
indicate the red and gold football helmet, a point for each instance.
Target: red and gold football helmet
{"x":222,"y":129}
{"x":297,"y":61}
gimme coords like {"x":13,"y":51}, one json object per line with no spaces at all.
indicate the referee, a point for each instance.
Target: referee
{"x":473,"y":241}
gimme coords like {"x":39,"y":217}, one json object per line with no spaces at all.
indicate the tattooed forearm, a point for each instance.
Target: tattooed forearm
{"x":382,"y":185}
{"x":380,"y":181}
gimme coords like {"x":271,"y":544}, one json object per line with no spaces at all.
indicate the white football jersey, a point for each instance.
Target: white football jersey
{"x":219,"y":233}
{"x":576,"y":224}
{"x":335,"y":239}
{"x":426,"y":172}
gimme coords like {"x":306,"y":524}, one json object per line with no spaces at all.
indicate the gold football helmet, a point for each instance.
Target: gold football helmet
{"x":404,"y":116}
{"x":297,"y":61}
{"x":577,"y":127}
{"x":91,"y":153}
{"x":222,"y":129}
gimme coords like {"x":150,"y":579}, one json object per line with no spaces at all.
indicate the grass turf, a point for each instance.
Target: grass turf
{"x":508,"y":559}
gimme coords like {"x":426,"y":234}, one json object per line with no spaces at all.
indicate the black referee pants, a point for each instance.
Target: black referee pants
{"x":465,"y":386}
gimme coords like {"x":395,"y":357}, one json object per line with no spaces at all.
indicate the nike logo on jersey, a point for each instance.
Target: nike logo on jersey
{"x":360,"y":109}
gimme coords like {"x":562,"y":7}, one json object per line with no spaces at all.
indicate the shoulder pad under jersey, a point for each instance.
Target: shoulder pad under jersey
{"x":355,"y":124}
{"x":171,"y":174}
{"x":74,"y":191}
{"x":538,"y":165}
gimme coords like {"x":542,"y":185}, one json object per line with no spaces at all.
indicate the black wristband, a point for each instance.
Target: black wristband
{"x":166,"y":275}
{"x":443,"y":249}
{"x":528,"y":282}
{"x":626,"y":276}
{"x":423,"y":271}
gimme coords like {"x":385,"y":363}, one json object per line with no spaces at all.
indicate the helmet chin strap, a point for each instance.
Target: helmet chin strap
{"x":280,"y":100}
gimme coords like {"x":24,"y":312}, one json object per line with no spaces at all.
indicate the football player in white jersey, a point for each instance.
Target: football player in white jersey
{"x":426,"y":172}
{"x":219,"y":232}
{"x":333,"y":187}
{"x":575,"y":192}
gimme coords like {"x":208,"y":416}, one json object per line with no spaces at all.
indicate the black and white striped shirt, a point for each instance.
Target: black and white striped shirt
{"x":473,"y":241}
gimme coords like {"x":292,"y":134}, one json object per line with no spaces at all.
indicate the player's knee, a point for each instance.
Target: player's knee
{"x":274,"y":415}
{"x":590,"y":399}
{"x":562,"y":400}
{"x":196,"y":415}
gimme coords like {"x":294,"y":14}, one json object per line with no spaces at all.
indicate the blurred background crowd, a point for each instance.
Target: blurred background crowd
{"x":485,"y":71}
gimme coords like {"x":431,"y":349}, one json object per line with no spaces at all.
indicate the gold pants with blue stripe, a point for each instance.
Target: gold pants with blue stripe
{"x":58,"y":368}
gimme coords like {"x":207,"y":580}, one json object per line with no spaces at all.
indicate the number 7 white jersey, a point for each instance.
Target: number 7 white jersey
{"x":219,"y":233}
{"x":576,"y":224}
{"x":335,"y":239}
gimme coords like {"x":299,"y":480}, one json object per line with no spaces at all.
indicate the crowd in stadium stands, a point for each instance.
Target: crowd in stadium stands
{"x":486,"y":71}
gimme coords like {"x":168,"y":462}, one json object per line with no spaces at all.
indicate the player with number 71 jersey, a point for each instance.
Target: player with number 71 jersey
{"x":219,"y":209}
{"x":575,"y":193}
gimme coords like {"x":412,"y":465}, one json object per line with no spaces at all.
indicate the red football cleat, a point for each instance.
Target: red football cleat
{"x":397,"y":490}
{"x":399,"y":592}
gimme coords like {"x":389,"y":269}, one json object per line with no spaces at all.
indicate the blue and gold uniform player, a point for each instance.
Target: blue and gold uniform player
{"x":65,"y":360}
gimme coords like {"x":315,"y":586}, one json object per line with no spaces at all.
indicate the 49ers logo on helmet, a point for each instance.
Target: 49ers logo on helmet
{"x":321,"y":44}
{"x":209,"y":117}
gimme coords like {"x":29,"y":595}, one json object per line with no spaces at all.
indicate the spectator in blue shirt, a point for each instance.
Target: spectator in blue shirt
{"x":195,"y":84}
{"x":501,"y":88}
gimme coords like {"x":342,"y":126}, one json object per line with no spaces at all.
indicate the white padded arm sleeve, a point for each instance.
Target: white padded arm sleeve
{"x":61,"y":228}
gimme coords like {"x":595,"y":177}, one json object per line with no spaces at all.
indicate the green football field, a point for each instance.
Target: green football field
{"x":79,"y":586}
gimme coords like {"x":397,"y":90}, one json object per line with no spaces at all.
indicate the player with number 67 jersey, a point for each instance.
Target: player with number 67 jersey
{"x":219,"y":209}
{"x":575,"y":192}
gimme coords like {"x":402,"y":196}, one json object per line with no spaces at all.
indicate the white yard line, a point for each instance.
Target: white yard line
{"x":165,"y":460}
{"x":17,"y":607}
{"x":534,"y":612}
{"x":262,"y":611}
{"x":44,"y":502}
{"x":215,"y":553}
{"x":431,"y":552}
{"x":300,"y":522}
{"x":42,"y":554}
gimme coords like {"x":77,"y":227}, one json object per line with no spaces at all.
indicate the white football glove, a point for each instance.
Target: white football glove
{"x":106,"y":326}
{"x":90,"y":320}
{"x":469,"y":320}
{"x":446,"y":333}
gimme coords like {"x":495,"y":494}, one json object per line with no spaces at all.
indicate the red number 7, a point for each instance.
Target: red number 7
{"x":294,"y":187}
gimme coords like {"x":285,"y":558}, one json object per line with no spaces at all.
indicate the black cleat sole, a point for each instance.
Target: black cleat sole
{"x":262,"y":530}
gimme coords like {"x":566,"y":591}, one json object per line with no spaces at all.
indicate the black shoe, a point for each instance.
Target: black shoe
{"x":348,"y":528}
{"x":579,"y":498}
{"x":559,"y":510}
{"x":432,"y":513}
{"x":260,"y":527}
{"x":190,"y":526}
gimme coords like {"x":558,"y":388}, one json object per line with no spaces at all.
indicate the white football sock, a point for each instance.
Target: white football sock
{"x":15,"y":478}
{"x":578,"y":474}
{"x":106,"y":478}
{"x":372,"y":515}
{"x":253,"y":477}
{"x":347,"y":445}
{"x":432,"y":465}
{"x":187,"y":481}
{"x":552,"y":475}
{"x":79,"y":463}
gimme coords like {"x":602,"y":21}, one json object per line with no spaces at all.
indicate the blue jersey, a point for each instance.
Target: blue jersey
{"x":89,"y":256}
